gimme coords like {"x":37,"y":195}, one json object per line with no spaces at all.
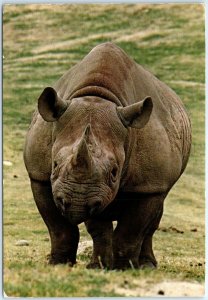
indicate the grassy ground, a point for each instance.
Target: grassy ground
{"x":40,"y":42}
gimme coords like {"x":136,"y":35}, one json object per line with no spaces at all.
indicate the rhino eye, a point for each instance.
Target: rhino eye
{"x":55,"y":164}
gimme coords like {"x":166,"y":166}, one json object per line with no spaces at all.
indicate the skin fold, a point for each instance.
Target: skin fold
{"x":106,"y":143}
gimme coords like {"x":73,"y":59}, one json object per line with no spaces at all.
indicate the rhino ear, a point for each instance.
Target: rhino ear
{"x":137,"y":114}
{"x":50,"y":106}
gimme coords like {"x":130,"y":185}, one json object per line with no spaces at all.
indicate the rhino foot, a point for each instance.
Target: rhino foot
{"x":147,"y":265}
{"x":55,"y":259}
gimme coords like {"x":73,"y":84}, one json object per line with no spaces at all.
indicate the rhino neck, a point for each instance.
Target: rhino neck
{"x":97,"y":91}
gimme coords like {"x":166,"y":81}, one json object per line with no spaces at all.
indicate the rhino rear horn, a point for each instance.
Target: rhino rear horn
{"x":137,"y":114}
{"x":50,"y":106}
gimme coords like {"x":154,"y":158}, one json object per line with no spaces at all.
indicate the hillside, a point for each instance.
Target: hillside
{"x":40,"y":42}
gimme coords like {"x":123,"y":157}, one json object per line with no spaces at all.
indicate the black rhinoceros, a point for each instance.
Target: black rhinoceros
{"x":107,"y":142}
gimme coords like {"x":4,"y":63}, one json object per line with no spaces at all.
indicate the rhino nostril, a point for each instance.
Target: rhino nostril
{"x":63,"y":204}
{"x":60,"y":200}
{"x":94,"y":206}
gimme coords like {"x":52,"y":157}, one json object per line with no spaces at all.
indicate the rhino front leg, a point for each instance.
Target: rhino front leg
{"x":146,"y":256}
{"x":140,"y":212}
{"x":101,"y":233}
{"x":64,"y":236}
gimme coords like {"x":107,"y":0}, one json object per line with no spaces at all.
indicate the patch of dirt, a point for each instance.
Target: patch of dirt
{"x":177,"y":289}
{"x":136,"y":36}
{"x":164,"y":288}
{"x":73,"y":42}
{"x":188,"y":83}
{"x":170,"y":229}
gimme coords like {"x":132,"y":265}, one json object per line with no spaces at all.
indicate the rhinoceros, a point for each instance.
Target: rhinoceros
{"x":106,"y":143}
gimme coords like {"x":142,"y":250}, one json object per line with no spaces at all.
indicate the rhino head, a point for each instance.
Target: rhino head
{"x":88,"y":152}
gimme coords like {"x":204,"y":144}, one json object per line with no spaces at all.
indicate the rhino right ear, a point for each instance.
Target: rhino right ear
{"x":50,"y":106}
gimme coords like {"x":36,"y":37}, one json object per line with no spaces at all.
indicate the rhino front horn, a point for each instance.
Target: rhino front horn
{"x":50,"y":106}
{"x":83,"y":157}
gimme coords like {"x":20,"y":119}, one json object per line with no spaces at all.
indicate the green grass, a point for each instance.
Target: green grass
{"x":40,"y":42}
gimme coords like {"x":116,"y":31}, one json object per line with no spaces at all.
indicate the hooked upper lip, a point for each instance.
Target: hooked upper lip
{"x":76,"y":219}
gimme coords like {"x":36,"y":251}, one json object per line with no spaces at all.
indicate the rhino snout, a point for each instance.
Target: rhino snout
{"x":75,"y":209}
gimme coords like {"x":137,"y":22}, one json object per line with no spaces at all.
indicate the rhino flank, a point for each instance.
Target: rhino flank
{"x":107,"y":142}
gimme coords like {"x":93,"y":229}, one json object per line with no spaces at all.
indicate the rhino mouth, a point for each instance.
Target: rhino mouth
{"x":78,"y":213}
{"x":77,"y":217}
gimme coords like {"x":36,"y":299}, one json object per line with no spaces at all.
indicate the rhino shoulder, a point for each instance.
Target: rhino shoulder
{"x":37,"y":151}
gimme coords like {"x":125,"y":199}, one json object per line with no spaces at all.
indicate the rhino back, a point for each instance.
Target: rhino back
{"x":109,"y":67}
{"x":106,"y":66}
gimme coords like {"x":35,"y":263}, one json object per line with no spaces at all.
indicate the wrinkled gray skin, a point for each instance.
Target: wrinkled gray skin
{"x":107,"y":142}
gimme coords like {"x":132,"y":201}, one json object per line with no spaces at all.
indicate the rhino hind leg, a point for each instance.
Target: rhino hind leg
{"x":101,"y":233}
{"x":64,"y":236}
{"x":133,"y":235}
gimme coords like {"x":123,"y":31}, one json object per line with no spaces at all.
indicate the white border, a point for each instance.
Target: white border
{"x":2,"y":295}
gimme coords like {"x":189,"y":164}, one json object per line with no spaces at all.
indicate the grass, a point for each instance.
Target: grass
{"x":40,"y":42}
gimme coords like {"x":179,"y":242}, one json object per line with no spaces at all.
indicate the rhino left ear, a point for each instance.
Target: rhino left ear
{"x":50,"y":105}
{"x":137,"y":114}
